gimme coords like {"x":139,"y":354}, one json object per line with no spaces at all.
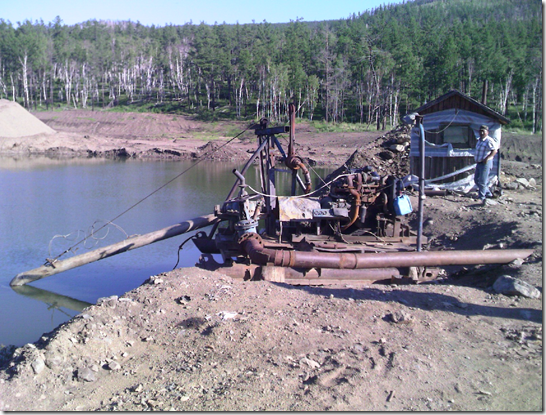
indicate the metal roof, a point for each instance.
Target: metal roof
{"x":457,"y":94}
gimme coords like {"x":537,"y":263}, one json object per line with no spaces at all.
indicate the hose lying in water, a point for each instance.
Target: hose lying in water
{"x":128,"y":244}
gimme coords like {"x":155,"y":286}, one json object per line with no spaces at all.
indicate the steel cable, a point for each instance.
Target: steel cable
{"x":51,"y":261}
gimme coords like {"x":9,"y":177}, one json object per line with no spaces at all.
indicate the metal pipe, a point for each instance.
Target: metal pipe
{"x":356,"y":195}
{"x":355,"y":208}
{"x":240,"y":177}
{"x":252,"y":244}
{"x":419,"y":120}
{"x":439,"y":192}
{"x":300,"y":166}
{"x":245,"y":168}
{"x":298,"y":178}
{"x":292,"y":161}
{"x":299,"y":277}
{"x":292,"y":117}
{"x":114,"y":249}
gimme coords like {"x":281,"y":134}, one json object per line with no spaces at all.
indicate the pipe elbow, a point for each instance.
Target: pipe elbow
{"x":296,"y":163}
{"x":252,"y":245}
{"x":356,"y":208}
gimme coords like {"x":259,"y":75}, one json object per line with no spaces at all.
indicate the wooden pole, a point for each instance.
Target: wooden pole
{"x":114,"y":249}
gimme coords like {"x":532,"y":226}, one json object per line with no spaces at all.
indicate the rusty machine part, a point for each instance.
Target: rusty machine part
{"x":252,"y":244}
{"x":349,"y":230}
{"x":292,"y":161}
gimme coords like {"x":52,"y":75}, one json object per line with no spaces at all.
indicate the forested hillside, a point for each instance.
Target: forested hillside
{"x":370,"y":68}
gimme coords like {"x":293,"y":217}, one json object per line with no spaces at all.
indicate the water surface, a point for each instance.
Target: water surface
{"x":46,"y":206}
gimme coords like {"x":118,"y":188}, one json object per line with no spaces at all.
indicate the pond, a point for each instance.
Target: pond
{"x":49,"y":205}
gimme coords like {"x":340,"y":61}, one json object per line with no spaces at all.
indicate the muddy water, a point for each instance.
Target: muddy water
{"x":46,"y":206}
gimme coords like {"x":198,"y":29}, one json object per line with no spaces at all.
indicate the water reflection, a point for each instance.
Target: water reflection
{"x":52,"y":300}
{"x":43,"y":162}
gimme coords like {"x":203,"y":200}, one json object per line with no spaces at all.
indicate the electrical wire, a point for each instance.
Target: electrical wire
{"x":447,"y":126}
{"x":318,"y":175}
{"x":180,"y":248}
{"x":301,"y":196}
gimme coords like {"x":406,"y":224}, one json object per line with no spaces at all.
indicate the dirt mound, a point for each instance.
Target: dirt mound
{"x":521,"y":147}
{"x":387,"y":154}
{"x":126,"y":125}
{"x":15,"y":121}
{"x":215,"y":151}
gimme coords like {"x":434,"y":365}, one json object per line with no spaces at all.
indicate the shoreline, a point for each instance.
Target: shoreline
{"x":65,"y":146}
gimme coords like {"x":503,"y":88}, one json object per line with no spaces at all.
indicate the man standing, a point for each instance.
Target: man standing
{"x":485,"y":151}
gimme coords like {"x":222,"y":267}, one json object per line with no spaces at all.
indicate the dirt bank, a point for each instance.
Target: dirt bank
{"x":81,"y":133}
{"x":197,"y":340}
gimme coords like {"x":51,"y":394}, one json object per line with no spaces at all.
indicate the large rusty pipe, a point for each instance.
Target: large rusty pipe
{"x":282,"y":274}
{"x":253,"y":246}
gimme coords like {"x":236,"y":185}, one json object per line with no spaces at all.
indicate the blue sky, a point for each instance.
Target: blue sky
{"x":178,"y":12}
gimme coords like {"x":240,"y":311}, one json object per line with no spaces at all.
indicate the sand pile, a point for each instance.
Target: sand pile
{"x":15,"y":121}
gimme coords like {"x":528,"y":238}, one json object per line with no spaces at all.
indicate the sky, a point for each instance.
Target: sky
{"x":179,"y":12}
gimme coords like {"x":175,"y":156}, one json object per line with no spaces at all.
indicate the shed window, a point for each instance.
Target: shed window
{"x":457,"y":135}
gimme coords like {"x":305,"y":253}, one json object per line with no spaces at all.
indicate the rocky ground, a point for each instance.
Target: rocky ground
{"x":198,"y":340}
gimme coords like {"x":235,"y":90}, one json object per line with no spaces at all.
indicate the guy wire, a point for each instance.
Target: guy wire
{"x":51,"y":261}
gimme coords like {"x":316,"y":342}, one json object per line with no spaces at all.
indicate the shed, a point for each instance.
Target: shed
{"x":451,"y":123}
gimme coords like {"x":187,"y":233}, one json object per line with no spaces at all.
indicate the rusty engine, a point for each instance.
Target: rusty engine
{"x":358,"y":211}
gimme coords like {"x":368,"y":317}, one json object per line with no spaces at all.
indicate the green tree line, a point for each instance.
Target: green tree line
{"x":370,"y":68}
